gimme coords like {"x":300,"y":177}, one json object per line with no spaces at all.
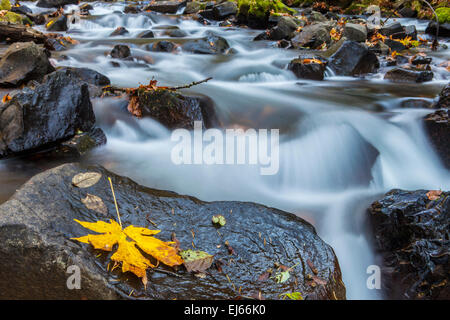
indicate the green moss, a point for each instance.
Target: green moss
{"x":443,"y":14}
{"x":12,"y":17}
{"x":5,"y":5}
{"x":260,"y":9}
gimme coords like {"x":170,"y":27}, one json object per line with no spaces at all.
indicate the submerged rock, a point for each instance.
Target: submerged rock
{"x":353,"y":58}
{"x":119,"y":31}
{"x":22,"y":62}
{"x":437,"y":127}
{"x":162,"y":46}
{"x":406,"y":75}
{"x":46,"y":115}
{"x":411,"y":232}
{"x":36,"y":250}
{"x":211,"y":44}
{"x":120,"y":51}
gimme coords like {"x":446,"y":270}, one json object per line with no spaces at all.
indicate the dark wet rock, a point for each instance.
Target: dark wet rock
{"x":36,"y":250}
{"x":353,"y":58}
{"x":416,"y":60}
{"x":22,"y":9}
{"x":86,"y":7}
{"x":120,"y":31}
{"x":175,"y":110}
{"x":211,"y":44}
{"x":162,"y":46}
{"x":307,"y":70}
{"x":395,"y":45}
{"x":120,"y":51}
{"x":313,"y":36}
{"x":193,"y":7}
{"x":22,"y":62}
{"x":95,"y":80}
{"x":50,"y":113}
{"x":175,"y":33}
{"x":407,"y":75}
{"x":444,"y":29}
{"x":355,"y":32}
{"x":416,"y":103}
{"x":316,"y":16}
{"x":37,"y":18}
{"x":146,"y":34}
{"x":391,"y":28}
{"x":57,"y":43}
{"x":407,"y":12}
{"x":80,"y":144}
{"x":411,"y":31}
{"x":55,"y":3}
{"x":132,"y":9}
{"x":411,"y":233}
{"x":437,"y":126}
{"x":283,"y":30}
{"x":165,"y":6}
{"x":58,"y":24}
{"x":224,"y":10}
{"x":380,"y":48}
{"x":444,"y":98}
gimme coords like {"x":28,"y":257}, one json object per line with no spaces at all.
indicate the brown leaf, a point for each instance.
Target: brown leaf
{"x":264,"y":276}
{"x":230,"y":248}
{"x":319,"y":281}
{"x":434,"y":194}
{"x":311,"y":265}
{"x":196,"y":261}
{"x":95,"y":203}
{"x":86,"y":179}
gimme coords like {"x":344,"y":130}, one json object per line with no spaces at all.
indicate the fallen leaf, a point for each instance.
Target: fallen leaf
{"x":282,"y":277}
{"x":319,"y":281}
{"x":6,"y":98}
{"x":95,"y":203}
{"x":292,"y":296}
{"x":311,"y":266}
{"x":196,"y":260}
{"x":229,"y":248}
{"x":434,"y":194}
{"x":86,"y":180}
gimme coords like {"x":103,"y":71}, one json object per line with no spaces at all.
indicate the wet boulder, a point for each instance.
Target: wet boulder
{"x":21,"y":9}
{"x":284,"y":29}
{"x":355,"y":32}
{"x":411,"y":234}
{"x":192,"y":7}
{"x":51,"y":112}
{"x":313,"y":36}
{"x":36,"y":250}
{"x":79,"y":145}
{"x":395,"y":45}
{"x":444,"y":29}
{"x":353,"y":58}
{"x":95,"y":80}
{"x":55,"y":3}
{"x":444,"y":98}
{"x":162,"y":46}
{"x":119,"y":31}
{"x":308,"y":68}
{"x":22,"y":62}
{"x":165,"y":6}
{"x":408,"y":75}
{"x":211,"y":44}
{"x":391,"y":28}
{"x":437,"y":127}
{"x":174,"y":110}
{"x":224,"y":10}
{"x":120,"y":51}
{"x":146,"y":34}
{"x":57,"y":24}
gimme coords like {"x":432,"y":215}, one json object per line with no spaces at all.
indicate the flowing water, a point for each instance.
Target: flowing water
{"x":343,"y":141}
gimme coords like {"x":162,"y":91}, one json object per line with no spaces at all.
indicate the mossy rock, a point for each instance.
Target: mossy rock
{"x":5,"y":5}
{"x":12,"y":17}
{"x":443,"y":14}
{"x":257,"y":12}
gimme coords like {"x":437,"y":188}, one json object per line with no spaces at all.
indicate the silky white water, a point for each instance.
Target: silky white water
{"x":343,"y":143}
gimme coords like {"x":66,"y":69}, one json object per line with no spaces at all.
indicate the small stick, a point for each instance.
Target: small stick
{"x":115,"y":201}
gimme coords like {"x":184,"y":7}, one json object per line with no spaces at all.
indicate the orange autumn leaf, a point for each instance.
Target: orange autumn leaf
{"x":6,"y":98}
{"x":434,"y":194}
{"x":128,"y":253}
{"x":310,"y":61}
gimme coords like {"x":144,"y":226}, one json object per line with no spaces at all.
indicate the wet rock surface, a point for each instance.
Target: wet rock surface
{"x":51,"y":112}
{"x":407,"y":75}
{"x":37,"y":250}
{"x":411,"y":233}
{"x":444,"y":98}
{"x":437,"y":127}
{"x":22,"y":62}
{"x":175,"y":110}
{"x":353,"y":58}
{"x":211,"y":44}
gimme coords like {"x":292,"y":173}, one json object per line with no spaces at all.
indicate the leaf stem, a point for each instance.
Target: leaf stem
{"x":115,"y":201}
